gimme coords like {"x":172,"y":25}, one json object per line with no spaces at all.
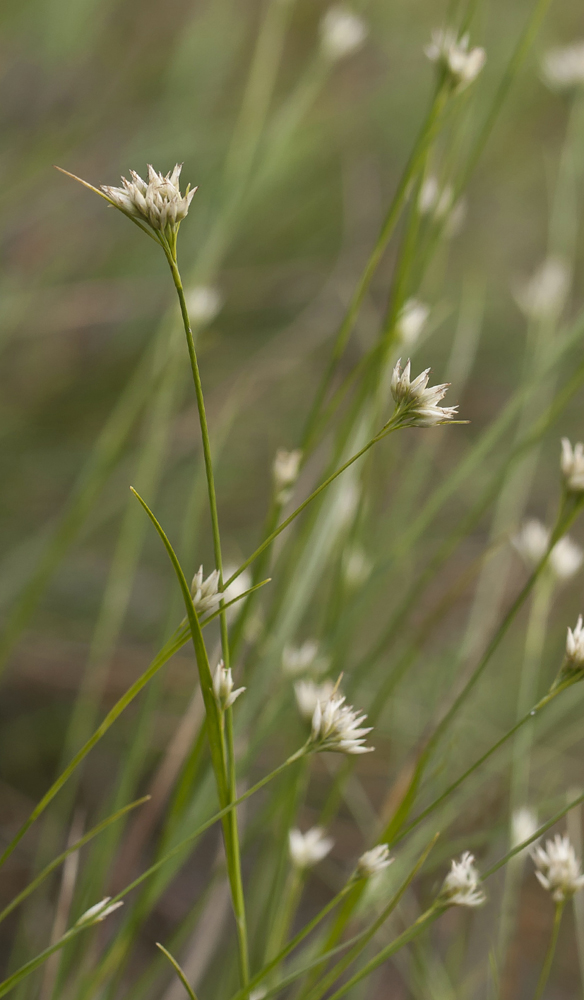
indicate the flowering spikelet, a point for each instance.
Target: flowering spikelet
{"x":575,"y":648}
{"x":558,"y":868}
{"x":309,"y":695}
{"x":158,"y":202}
{"x":341,"y":33}
{"x":374,"y":861}
{"x":285,"y":473}
{"x":205,"y":593}
{"x":563,"y":68}
{"x":337,"y":727}
{"x":416,"y":403}
{"x":223,"y":687}
{"x":98,"y":912}
{"x":307,"y":849}
{"x":462,"y":885}
{"x":572,"y":464}
{"x":453,"y":56}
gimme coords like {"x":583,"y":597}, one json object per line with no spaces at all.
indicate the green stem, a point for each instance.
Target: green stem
{"x":231,"y":820}
{"x":544,"y":975}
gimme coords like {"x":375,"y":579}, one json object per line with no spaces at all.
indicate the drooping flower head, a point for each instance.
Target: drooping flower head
{"x":459,"y":63}
{"x":462,"y":885}
{"x":223,"y":687}
{"x":307,"y":849}
{"x":338,"y":727}
{"x":157,"y":202}
{"x":572,"y":464}
{"x":205,"y":593}
{"x":416,"y":402}
{"x":558,"y":868}
{"x":374,"y":861}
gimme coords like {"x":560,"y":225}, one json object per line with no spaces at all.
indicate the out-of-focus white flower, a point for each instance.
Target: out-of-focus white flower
{"x":309,"y":695}
{"x":416,"y":403}
{"x":462,"y":885}
{"x":374,"y":861}
{"x":454,"y":57}
{"x":223,"y":687}
{"x":531,"y":542}
{"x":307,"y":849}
{"x":357,"y":567}
{"x":338,"y":727}
{"x":203,"y":303}
{"x":239,"y":586}
{"x":572,"y":464}
{"x":563,"y":68}
{"x":285,"y":473}
{"x":433,"y":199}
{"x":575,"y":647}
{"x":258,"y":994}
{"x":341,"y":33}
{"x":558,"y":868}
{"x":456,"y":219}
{"x":205,"y":593}
{"x":544,"y":295}
{"x":411,"y":320}
{"x":298,"y":659}
{"x":95,"y":914}
{"x":523,"y":826}
{"x":566,"y":558}
{"x":158,"y":202}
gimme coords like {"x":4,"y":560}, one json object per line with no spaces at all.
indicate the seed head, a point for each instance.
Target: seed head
{"x":454,"y":58}
{"x":307,"y":849}
{"x":309,"y":695}
{"x":95,"y":914}
{"x":462,"y":885}
{"x":411,"y":320}
{"x":416,"y":403}
{"x":341,"y":33}
{"x":285,"y":473}
{"x":223,"y":687}
{"x":572,"y":464}
{"x":374,"y":861}
{"x":563,"y":68}
{"x":205,"y":593}
{"x":337,"y":727}
{"x":558,"y":868}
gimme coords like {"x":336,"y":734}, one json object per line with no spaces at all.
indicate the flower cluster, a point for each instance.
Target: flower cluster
{"x":95,"y":914}
{"x":558,"y":868}
{"x":307,"y":849}
{"x":338,"y":727}
{"x":223,"y":687}
{"x":573,"y":466}
{"x":453,"y":56}
{"x":563,"y":68}
{"x":341,"y":33}
{"x":575,"y":648}
{"x":416,"y":403}
{"x":374,"y":861}
{"x":462,"y":885}
{"x":158,"y":202}
{"x":285,"y":473}
{"x":532,"y":543}
{"x":205,"y":593}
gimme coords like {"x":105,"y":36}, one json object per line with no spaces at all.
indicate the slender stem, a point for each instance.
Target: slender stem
{"x":544,"y":975}
{"x":181,"y":975}
{"x":231,"y":819}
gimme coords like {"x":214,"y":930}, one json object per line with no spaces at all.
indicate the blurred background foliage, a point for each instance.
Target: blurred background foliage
{"x":102,"y":86}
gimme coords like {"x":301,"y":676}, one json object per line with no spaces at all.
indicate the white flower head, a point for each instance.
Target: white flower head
{"x":95,"y":914}
{"x":307,"y":849}
{"x":338,"y":727}
{"x":411,"y":320}
{"x":575,"y":648}
{"x":341,"y":33}
{"x":462,"y":885}
{"x":374,"y":861}
{"x":572,"y":464}
{"x":531,"y":542}
{"x":205,"y":593}
{"x":204,"y":303}
{"x":157,"y":202}
{"x":416,"y":402}
{"x":235,"y":589}
{"x":566,"y":558}
{"x":357,"y":567}
{"x":544,"y":295}
{"x":454,"y":57}
{"x":558,"y":868}
{"x":299,"y":659}
{"x":563,"y":68}
{"x":309,"y":695}
{"x":434,"y":199}
{"x":285,"y":472}
{"x":223,"y":687}
{"x":523,"y":825}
